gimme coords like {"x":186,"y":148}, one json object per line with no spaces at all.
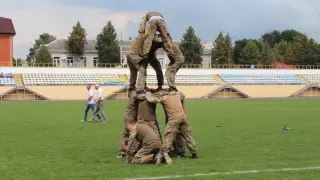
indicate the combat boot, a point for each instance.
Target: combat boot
{"x":194,"y":156}
{"x":159,"y":158}
{"x":167,"y":158}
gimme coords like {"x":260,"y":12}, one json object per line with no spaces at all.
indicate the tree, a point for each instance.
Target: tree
{"x":272,"y":38}
{"x":290,"y":35}
{"x":43,"y":55}
{"x":77,"y":40}
{"x":250,"y":54}
{"x":300,"y":49}
{"x":44,"y":38}
{"x":222,"y":52}
{"x":17,"y":62}
{"x":238,"y":48}
{"x":306,"y":51}
{"x":191,"y":47}
{"x":283,"y":51}
{"x":107,"y":45}
{"x":267,"y":53}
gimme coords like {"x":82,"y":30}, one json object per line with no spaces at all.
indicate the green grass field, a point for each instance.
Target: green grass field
{"x":40,"y":141}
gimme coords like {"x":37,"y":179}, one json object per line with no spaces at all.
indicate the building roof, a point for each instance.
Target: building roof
{"x":60,"y":46}
{"x":6,"y":26}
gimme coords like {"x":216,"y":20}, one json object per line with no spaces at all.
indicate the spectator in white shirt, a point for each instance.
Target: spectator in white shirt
{"x":99,"y":105}
{"x":89,"y":103}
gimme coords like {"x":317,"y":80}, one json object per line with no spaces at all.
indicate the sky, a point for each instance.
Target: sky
{"x":239,"y":18}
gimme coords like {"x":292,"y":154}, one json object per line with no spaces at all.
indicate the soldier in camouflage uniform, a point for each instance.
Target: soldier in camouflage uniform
{"x":137,"y":65}
{"x":147,"y":113}
{"x":178,"y":120}
{"x":144,"y":144}
{"x":130,"y":116}
{"x":153,"y":22}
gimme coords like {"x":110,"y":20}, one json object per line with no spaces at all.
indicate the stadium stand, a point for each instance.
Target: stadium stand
{"x":261,"y":79}
{"x":6,"y":79}
{"x":65,"y":78}
{"x":312,"y":78}
{"x":205,"y":79}
{"x":68,"y":83}
{"x":92,"y":78}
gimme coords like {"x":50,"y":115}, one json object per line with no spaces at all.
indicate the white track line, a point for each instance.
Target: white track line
{"x":225,"y":173}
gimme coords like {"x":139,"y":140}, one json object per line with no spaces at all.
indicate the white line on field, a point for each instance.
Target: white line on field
{"x":225,"y":173}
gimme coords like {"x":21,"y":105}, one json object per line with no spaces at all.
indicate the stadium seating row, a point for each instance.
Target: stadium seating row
{"x":206,"y":79}
{"x":312,"y":78}
{"x":6,"y":75}
{"x":261,"y":79}
{"x":184,"y":79}
{"x":65,"y":78}
{"x":6,"y":79}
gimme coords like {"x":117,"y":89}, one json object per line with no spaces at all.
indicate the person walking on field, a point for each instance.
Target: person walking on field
{"x":90,"y":104}
{"x":99,"y":105}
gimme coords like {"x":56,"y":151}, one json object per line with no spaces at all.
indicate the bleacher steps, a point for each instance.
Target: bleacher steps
{"x":21,"y":94}
{"x":312,"y":90}
{"x":123,"y":76}
{"x":119,"y":94}
{"x":218,"y":79}
{"x":225,"y":92}
{"x":18,"y":80}
{"x":302,"y":78}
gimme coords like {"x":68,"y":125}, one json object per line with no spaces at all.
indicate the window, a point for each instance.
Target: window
{"x":56,"y":61}
{"x":161,"y":61}
{"x":70,"y":61}
{"x":95,"y":61}
{"x":84,"y":59}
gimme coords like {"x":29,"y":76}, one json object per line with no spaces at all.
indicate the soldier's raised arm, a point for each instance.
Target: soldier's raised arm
{"x":153,"y":99}
{"x":182,"y":96}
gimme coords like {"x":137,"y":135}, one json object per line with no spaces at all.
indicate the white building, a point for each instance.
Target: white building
{"x":62,"y":58}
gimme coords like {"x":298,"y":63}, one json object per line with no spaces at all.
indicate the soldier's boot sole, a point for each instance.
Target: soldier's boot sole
{"x":167,"y":158}
{"x":159,"y":159}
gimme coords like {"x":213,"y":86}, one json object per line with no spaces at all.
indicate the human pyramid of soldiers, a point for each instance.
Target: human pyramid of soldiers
{"x":141,"y":142}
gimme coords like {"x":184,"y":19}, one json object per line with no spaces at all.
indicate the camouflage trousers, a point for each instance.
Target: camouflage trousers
{"x":154,"y":126}
{"x":172,"y":128}
{"x":172,"y":70}
{"x":136,"y":65}
{"x":152,"y":27}
{"x":177,"y":147}
{"x":146,"y":153}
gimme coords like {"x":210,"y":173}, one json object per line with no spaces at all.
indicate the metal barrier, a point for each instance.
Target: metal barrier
{"x":118,"y":65}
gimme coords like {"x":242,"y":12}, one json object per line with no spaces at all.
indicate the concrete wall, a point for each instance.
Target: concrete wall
{"x":268,"y":91}
{"x":69,"y":92}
